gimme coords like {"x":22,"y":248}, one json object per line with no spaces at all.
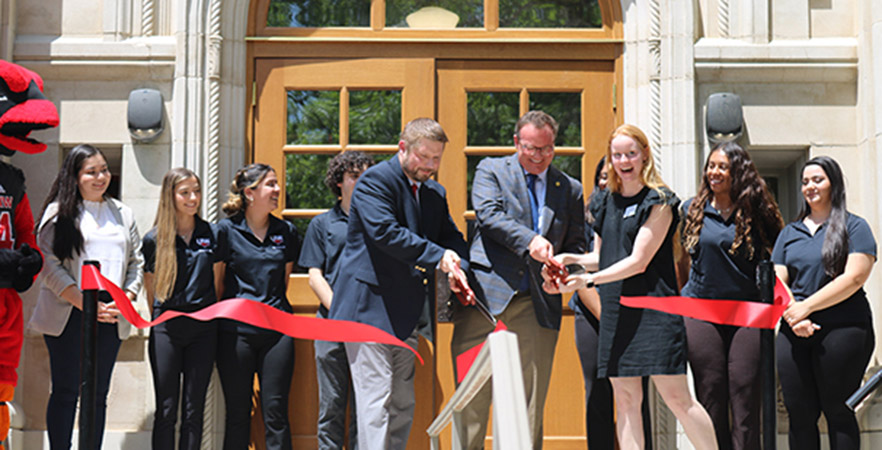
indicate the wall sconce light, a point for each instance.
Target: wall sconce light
{"x":723,"y":117}
{"x":145,"y":115}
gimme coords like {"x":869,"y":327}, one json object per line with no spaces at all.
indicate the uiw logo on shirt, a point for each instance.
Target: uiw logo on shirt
{"x":203,"y":242}
{"x":277,"y":239}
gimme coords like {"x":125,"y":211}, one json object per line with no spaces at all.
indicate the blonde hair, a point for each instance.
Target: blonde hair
{"x":247,"y":177}
{"x":166,"y":267}
{"x":422,"y":128}
{"x":649,"y":176}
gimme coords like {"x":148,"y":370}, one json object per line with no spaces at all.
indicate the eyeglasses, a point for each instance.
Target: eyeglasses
{"x":533,"y":149}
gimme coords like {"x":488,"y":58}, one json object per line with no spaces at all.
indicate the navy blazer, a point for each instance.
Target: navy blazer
{"x":499,"y":253}
{"x":392,"y":248}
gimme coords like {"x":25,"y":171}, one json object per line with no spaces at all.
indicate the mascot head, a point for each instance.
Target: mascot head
{"x":23,"y":108}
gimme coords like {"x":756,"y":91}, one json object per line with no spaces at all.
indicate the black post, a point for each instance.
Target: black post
{"x":88,"y":365}
{"x":766,"y":282}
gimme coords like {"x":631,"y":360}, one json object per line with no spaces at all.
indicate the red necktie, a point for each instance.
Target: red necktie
{"x":413,"y":188}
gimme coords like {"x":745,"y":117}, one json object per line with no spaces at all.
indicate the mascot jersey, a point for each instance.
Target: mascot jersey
{"x":23,"y":108}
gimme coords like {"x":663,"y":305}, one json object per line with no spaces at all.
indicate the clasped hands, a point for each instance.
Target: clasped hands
{"x":796,"y":315}
{"x":108,"y":312}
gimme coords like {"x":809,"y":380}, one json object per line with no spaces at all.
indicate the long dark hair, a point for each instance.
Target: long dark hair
{"x":834,"y":253}
{"x":65,"y":192}
{"x":757,"y":219}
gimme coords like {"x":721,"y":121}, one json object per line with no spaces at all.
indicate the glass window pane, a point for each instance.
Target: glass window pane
{"x":566,"y":108}
{"x":380,"y":157}
{"x":570,"y":165}
{"x":549,"y":14}
{"x":374,"y":117}
{"x":492,"y":117}
{"x":313,"y":117}
{"x":472,"y":165}
{"x":470,"y":12}
{"x":319,"y":13}
{"x":304,"y":182}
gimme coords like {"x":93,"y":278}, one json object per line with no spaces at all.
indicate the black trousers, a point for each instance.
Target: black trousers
{"x":270,"y":355}
{"x":725,"y":364}
{"x":817,"y":375}
{"x":64,"y":366}
{"x":181,"y":350}
{"x":599,"y":425}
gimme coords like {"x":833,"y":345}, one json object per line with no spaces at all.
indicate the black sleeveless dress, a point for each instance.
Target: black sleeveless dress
{"x":637,"y":342}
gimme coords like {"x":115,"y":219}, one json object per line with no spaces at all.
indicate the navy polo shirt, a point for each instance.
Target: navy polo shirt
{"x":194,"y":281}
{"x":797,"y":249}
{"x":323,"y":245}
{"x":715,"y":273}
{"x":256,"y":269}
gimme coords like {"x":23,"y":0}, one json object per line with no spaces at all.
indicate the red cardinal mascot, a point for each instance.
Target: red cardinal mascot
{"x":23,"y":108}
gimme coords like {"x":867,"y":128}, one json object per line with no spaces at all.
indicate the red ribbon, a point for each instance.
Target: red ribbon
{"x":250,"y":312}
{"x":465,"y":359}
{"x":724,"y":312}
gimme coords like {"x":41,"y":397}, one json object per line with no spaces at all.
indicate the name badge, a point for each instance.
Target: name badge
{"x":630,"y":211}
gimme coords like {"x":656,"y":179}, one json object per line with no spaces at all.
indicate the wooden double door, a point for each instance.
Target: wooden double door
{"x":308,"y":109}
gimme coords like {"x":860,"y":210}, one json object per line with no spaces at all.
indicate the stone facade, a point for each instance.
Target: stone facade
{"x":808,"y":72}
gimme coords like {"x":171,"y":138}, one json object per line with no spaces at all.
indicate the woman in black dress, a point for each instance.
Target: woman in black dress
{"x":729,"y":227}
{"x":827,"y":338}
{"x":633,"y":251}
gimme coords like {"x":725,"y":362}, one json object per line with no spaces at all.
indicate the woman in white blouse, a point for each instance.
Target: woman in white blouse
{"x":79,"y":222}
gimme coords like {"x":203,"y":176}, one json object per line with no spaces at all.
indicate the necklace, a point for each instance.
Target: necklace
{"x":723,"y":211}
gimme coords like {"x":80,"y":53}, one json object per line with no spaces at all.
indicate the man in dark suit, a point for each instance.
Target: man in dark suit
{"x":527,"y":210}
{"x":400,"y":230}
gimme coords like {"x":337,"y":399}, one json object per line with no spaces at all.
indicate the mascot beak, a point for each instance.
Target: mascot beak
{"x":23,"y":108}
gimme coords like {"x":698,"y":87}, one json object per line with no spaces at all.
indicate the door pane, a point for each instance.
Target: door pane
{"x":569,"y":164}
{"x":549,"y":14}
{"x":566,"y":108}
{"x":304,"y":182}
{"x":374,"y":117}
{"x":492,"y":117}
{"x":319,"y":13}
{"x":313,"y":117}
{"x":472,"y":165}
{"x":470,"y":12}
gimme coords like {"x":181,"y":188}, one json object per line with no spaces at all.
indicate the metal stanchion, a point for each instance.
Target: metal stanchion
{"x":88,"y":365}
{"x":766,"y":282}
{"x":865,"y":390}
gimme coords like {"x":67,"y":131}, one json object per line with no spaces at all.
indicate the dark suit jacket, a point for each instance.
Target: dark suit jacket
{"x":392,"y":247}
{"x":499,"y":253}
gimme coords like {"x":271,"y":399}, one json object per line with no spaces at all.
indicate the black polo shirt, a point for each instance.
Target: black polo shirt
{"x":797,"y":249}
{"x":194,"y":281}
{"x":715,"y":273}
{"x":256,"y":270}
{"x":324,"y":242}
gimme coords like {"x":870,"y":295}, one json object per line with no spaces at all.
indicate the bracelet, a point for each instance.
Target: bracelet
{"x":589,"y":284}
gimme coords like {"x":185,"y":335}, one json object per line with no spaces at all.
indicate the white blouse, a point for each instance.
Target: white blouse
{"x":104,"y":240}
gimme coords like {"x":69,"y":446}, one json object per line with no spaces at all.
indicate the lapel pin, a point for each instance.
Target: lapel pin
{"x":557,"y":183}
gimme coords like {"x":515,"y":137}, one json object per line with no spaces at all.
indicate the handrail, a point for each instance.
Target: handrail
{"x":500,"y":359}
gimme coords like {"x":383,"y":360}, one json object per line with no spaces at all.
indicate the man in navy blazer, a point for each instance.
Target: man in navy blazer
{"x":517,"y":232}
{"x":400,"y":230}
